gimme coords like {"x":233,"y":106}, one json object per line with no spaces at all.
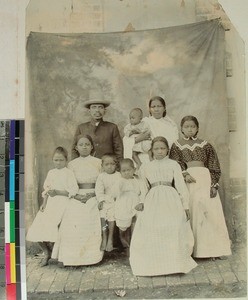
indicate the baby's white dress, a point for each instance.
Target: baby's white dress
{"x":104,"y":192}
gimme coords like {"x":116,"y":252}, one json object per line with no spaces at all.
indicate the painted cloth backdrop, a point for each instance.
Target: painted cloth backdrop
{"x":183,"y":64}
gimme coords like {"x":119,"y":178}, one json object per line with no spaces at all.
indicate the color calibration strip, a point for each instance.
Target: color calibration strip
{"x":12,"y":193}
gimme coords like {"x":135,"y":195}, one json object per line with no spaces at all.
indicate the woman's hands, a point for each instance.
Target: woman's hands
{"x":42,"y":207}
{"x":213,"y":192}
{"x":189,"y":179}
{"x":52,"y":193}
{"x":139,"y":207}
{"x":84,"y":198}
{"x":100,"y":205}
{"x":146,"y":135}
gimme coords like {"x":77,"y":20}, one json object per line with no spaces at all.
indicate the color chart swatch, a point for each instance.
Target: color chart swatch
{"x":12,"y":232}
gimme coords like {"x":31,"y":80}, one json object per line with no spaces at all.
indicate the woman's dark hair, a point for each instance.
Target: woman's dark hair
{"x":160,"y":139}
{"x":161,"y":100}
{"x":61,"y":150}
{"x":80,"y":136}
{"x":189,"y":118}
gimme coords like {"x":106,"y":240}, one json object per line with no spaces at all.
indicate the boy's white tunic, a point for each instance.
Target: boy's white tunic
{"x":162,"y":240}
{"x":45,"y":225}
{"x":80,"y":230}
{"x":104,"y":192}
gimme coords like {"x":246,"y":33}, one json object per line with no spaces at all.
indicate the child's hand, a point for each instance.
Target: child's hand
{"x":187,"y":214}
{"x":42,"y":207}
{"x":213,"y":192}
{"x":134,"y":131}
{"x":145,"y":135}
{"x":139,"y":207}
{"x":189,"y":179}
{"x":52,"y":193}
{"x":100,"y":205}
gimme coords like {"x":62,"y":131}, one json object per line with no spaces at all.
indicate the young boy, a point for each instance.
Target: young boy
{"x":106,"y":201}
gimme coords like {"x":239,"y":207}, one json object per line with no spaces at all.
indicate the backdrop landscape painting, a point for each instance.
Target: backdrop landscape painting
{"x":183,"y":64}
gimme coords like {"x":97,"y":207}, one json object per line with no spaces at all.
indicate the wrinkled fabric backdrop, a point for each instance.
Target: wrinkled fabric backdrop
{"x":183,"y":64}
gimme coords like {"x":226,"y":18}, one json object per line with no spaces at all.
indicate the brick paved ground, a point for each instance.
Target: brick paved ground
{"x":114,"y":273}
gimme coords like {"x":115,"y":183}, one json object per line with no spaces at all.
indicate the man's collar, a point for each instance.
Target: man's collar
{"x":94,"y":122}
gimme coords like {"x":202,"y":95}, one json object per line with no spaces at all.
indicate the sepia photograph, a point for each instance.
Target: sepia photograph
{"x":135,"y":169}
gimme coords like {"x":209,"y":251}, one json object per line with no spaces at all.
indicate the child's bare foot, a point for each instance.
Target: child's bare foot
{"x":60,"y":265}
{"x":109,"y":246}
{"x":127,"y":251}
{"x":44,"y":261}
{"x":124,"y":242}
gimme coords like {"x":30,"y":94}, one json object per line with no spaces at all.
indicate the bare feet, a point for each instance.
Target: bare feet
{"x":127,"y":252}
{"x":44,"y":261}
{"x":60,"y":265}
{"x":223,"y":257}
{"x":219,"y":257}
{"x":124,"y":242}
{"x":109,"y":246}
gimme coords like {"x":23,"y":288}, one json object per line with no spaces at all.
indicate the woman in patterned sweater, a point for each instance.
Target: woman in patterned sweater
{"x":201,"y":171}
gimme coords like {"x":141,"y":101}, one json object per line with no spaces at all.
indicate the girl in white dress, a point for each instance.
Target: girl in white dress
{"x":162,"y":240}
{"x":80,"y":230}
{"x":201,"y":170}
{"x":59,"y":186}
{"x":129,"y":192}
{"x":105,"y":199}
{"x":160,"y":125}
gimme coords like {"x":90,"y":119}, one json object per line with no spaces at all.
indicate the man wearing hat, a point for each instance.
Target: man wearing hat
{"x":105,"y":135}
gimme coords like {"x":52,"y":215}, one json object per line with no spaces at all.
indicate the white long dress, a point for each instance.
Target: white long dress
{"x":207,"y":217}
{"x":45,"y":225}
{"x":80,"y":230}
{"x":159,"y":127}
{"x":162,"y":240}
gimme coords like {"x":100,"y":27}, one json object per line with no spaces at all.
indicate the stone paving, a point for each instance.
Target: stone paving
{"x":114,"y":273}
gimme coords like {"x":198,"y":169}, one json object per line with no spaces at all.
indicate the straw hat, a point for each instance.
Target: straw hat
{"x":88,"y":103}
{"x":96,"y":97}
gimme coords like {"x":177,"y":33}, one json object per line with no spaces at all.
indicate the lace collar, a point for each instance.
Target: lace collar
{"x":190,"y":138}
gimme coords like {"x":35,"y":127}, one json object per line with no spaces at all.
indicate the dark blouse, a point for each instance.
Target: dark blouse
{"x":184,"y":151}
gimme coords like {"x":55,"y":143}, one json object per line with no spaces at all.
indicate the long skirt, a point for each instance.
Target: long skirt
{"x":79,"y":234}
{"x":46,"y":224}
{"x":162,"y":240}
{"x":207,"y":218}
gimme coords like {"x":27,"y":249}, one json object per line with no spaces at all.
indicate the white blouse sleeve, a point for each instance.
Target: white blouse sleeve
{"x":99,"y":189}
{"x":144,"y":186}
{"x":143,"y":190}
{"x":174,"y":131}
{"x":181,"y":186}
{"x":47,"y":184}
{"x":127,"y":130}
{"x":72,"y":186}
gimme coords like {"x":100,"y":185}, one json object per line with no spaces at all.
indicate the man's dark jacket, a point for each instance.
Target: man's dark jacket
{"x":106,"y":138}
